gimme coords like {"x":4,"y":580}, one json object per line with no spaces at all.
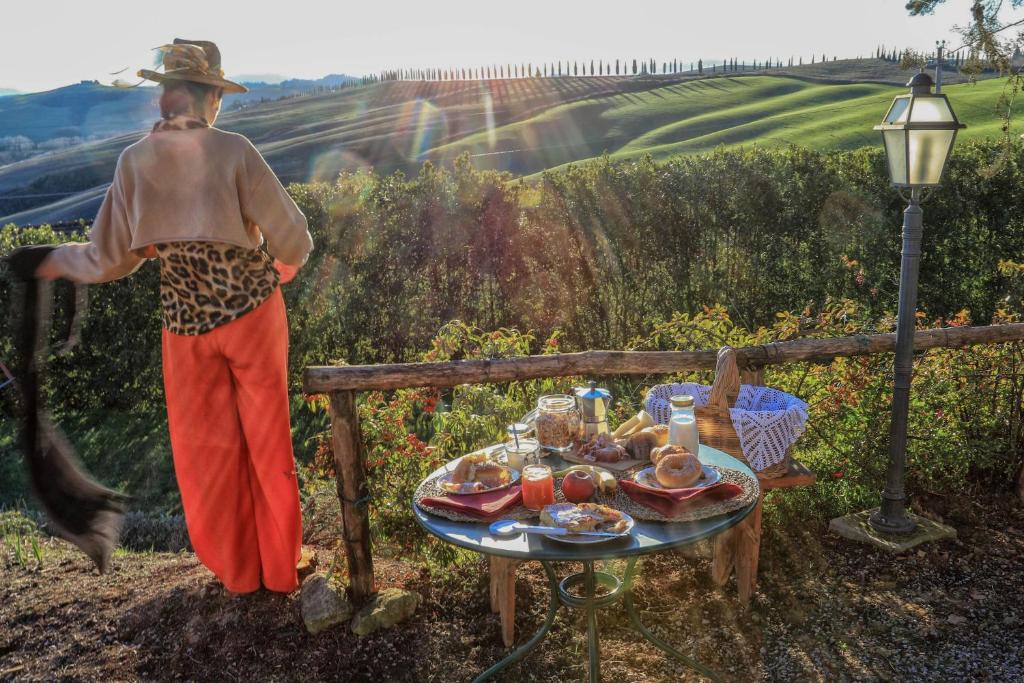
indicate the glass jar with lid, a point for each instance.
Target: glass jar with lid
{"x":558,"y":422}
{"x":520,"y":450}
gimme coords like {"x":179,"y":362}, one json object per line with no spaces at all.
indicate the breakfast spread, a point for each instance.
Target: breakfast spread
{"x":584,"y":517}
{"x":575,"y":426}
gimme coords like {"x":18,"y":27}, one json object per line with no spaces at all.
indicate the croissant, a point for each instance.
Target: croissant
{"x":466,"y":469}
{"x":641,"y":443}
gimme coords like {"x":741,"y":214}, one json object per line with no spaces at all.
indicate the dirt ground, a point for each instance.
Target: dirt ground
{"x":826,"y":609}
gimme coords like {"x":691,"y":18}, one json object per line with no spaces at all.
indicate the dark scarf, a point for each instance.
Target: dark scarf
{"x":80,"y":509}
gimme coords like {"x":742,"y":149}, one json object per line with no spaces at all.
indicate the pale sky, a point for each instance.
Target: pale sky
{"x":50,"y":43}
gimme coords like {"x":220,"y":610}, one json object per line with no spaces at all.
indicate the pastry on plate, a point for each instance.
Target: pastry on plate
{"x":584,"y":517}
{"x":477,"y":472}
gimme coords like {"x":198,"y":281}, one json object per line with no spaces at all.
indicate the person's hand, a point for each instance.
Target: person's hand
{"x":47,"y":270}
{"x":287,"y":272}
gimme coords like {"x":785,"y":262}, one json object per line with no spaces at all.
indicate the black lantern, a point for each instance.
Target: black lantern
{"x":918,"y":132}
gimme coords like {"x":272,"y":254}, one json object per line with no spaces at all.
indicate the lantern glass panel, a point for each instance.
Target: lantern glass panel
{"x":931,"y":109}
{"x":898,"y":110}
{"x":927,"y":150}
{"x":896,"y":153}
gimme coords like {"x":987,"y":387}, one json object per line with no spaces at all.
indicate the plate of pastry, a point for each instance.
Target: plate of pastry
{"x":586,"y":517}
{"x":477,"y":473}
{"x":676,"y":468}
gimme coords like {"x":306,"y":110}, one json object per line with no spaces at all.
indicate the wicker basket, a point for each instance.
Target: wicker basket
{"x":714,"y":423}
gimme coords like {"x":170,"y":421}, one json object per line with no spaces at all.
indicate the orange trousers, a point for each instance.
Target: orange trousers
{"x":227,"y":409}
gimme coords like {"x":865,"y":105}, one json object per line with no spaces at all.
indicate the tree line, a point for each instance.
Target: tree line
{"x":637,"y":67}
{"x":599,"y":67}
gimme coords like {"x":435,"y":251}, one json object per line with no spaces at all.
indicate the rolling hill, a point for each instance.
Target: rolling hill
{"x":523,"y":126}
{"x":88,"y":109}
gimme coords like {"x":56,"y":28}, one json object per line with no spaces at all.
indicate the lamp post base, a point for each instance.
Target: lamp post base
{"x":898,"y":524}
{"x":857,"y":527}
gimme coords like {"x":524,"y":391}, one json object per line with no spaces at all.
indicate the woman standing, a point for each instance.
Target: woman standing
{"x":202,"y":200}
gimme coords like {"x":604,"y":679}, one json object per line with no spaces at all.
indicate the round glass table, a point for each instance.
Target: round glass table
{"x":580,"y":590}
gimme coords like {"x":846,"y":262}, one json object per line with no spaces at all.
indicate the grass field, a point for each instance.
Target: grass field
{"x":521,"y":125}
{"x":698,"y":116}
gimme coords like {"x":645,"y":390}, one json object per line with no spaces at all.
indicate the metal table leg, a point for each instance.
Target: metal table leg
{"x":553,"y":604}
{"x":593,"y":645}
{"x":562,"y":593}
{"x":634,"y":617}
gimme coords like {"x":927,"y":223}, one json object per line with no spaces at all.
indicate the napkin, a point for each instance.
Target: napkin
{"x":483,"y":506}
{"x":673,"y":502}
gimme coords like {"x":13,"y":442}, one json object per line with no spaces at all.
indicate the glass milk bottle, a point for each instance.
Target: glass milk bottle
{"x":682,"y":425}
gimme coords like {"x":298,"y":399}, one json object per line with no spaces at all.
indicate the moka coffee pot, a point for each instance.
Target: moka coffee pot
{"x":593,"y":404}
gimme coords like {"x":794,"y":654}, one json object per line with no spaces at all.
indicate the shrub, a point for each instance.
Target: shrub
{"x":699,"y":251}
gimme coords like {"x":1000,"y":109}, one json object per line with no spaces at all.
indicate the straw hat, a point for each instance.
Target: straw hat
{"x":192,"y":60}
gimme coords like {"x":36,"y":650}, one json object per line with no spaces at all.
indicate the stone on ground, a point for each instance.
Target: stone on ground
{"x":855,"y":527}
{"x":389,"y":607}
{"x":322,"y":605}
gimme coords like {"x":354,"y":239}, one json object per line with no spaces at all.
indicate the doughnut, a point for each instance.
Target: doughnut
{"x":678,"y":470}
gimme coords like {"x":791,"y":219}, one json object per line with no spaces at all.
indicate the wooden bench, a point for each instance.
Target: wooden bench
{"x":740,"y":547}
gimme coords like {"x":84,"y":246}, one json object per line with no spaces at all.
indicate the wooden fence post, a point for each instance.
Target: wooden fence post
{"x":353,"y":493}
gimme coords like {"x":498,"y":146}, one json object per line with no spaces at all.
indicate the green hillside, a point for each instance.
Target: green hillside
{"x":698,"y":116}
{"x":523,"y":126}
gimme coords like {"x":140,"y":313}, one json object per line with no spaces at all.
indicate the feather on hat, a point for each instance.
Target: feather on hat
{"x":192,"y":60}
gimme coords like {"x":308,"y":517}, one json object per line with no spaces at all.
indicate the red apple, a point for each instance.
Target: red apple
{"x":578,"y":487}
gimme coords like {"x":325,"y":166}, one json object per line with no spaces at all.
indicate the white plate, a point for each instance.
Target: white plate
{"x":645,"y":477}
{"x":447,"y":477}
{"x":589,"y":540}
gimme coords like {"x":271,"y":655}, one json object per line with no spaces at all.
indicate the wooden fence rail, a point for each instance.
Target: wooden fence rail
{"x":343,"y":383}
{"x":321,"y":379}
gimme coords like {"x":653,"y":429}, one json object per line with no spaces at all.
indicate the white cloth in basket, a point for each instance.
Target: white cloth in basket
{"x":767,"y":421}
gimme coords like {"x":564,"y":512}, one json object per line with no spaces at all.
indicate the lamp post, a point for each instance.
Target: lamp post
{"x":918,"y":132}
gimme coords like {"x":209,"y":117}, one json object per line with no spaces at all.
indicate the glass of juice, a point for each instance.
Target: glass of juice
{"x":538,"y":487}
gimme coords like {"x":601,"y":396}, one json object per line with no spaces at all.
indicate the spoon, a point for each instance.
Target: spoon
{"x":507,"y":527}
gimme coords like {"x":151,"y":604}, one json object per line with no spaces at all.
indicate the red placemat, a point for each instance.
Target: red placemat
{"x":482,"y":506}
{"x":673,"y":502}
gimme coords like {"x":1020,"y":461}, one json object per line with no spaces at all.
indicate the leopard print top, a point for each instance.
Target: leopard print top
{"x":204,"y":285}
